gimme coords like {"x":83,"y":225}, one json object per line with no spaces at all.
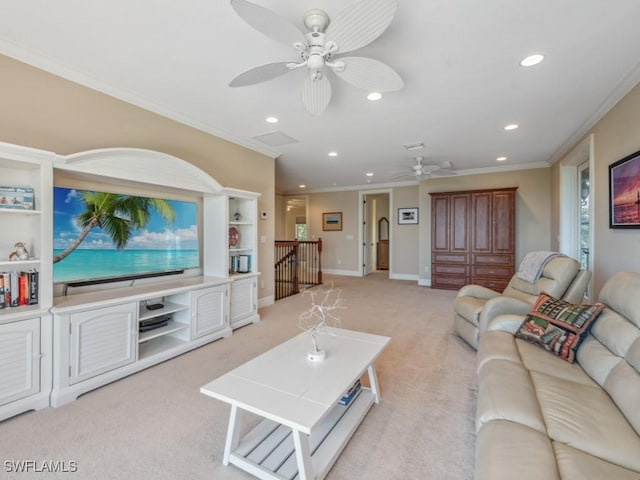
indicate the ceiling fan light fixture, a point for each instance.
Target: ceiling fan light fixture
{"x":333,"y":154}
{"x":374,"y":96}
{"x":302,"y":185}
{"x":532,"y":60}
{"x":369,"y":174}
{"x":511,"y":126}
{"x":501,"y":159}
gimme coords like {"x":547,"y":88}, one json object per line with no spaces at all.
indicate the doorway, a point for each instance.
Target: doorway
{"x":376,"y":233}
{"x":576,"y":206}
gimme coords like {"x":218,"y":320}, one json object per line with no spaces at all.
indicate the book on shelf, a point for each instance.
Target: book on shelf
{"x":351,"y":393}
{"x":19,"y":288}
{"x":16,"y":197}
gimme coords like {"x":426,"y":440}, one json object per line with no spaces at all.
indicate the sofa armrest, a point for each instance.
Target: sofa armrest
{"x":500,"y":306}
{"x":506,"y":323}
{"x":477,"y":291}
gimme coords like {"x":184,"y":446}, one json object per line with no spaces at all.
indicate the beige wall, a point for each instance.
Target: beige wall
{"x":533,"y":207}
{"x":339,"y":249}
{"x":47,"y":112}
{"x":405,"y":244}
{"x":615,"y":136}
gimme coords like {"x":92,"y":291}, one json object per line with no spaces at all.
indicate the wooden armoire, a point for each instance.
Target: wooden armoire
{"x":473,"y":238}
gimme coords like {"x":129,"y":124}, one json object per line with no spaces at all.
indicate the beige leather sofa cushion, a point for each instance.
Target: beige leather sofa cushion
{"x":508,"y":451}
{"x":584,"y":417}
{"x":506,"y":393}
{"x":573,"y":463}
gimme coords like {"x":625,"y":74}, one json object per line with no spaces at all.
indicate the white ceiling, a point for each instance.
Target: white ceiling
{"x":459,"y":60}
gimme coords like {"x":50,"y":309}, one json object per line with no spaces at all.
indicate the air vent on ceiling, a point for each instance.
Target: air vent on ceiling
{"x":276,"y":139}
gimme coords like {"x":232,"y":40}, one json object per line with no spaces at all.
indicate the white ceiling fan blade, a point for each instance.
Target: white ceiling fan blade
{"x":361,"y":23}
{"x":316,"y":95}
{"x":370,"y":75}
{"x":268,"y":22}
{"x":443,"y":172}
{"x":260,"y":74}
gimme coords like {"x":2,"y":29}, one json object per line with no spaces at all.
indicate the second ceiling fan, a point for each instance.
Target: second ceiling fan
{"x":353,"y":28}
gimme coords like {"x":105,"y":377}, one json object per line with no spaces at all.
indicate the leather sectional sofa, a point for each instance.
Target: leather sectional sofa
{"x":541,"y":417}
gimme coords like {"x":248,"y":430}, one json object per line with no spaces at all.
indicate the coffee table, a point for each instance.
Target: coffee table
{"x":304,"y":427}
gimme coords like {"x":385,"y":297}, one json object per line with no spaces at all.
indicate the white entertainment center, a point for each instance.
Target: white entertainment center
{"x":66,"y":345}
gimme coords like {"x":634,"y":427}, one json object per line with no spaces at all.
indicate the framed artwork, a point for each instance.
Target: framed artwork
{"x":624,"y":192}
{"x":407,"y":216}
{"x":332,"y":221}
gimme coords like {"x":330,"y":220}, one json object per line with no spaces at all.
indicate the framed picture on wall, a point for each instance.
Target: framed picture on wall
{"x":407,"y":216}
{"x":624,"y":192}
{"x":332,"y":221}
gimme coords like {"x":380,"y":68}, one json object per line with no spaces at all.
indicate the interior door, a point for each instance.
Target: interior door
{"x":367,"y":238}
{"x":584,"y":217}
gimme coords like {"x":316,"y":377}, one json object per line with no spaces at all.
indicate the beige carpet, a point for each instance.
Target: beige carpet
{"x":156,"y":425}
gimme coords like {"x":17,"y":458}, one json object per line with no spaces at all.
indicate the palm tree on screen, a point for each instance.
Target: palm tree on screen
{"x":117,"y":215}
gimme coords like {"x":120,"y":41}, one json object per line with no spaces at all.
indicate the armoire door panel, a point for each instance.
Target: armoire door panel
{"x":503,"y":219}
{"x":481,"y":227}
{"x":440,"y":224}
{"x":460,"y":223}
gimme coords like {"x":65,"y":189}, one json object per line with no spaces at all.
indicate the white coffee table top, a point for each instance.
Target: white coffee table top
{"x":282,"y":385}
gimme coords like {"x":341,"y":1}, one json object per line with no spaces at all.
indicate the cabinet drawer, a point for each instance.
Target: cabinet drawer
{"x":493,"y":271}
{"x":497,"y":284}
{"x":450,"y":269}
{"x":450,"y":282}
{"x":493,"y":259}
{"x":449,"y":258}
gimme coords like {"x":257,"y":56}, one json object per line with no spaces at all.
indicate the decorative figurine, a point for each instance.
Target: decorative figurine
{"x":237,"y":216}
{"x":20,"y":252}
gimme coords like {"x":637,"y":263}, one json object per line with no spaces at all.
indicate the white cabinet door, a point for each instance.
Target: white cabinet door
{"x":208,"y":310}
{"x":244,"y":305}
{"x":101,"y":340}
{"x":19,"y":360}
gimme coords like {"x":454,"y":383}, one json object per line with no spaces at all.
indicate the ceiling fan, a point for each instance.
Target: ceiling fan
{"x":353,"y":28}
{"x":421,"y":170}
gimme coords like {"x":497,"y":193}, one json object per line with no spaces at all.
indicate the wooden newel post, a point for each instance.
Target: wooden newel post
{"x":320,"y":260}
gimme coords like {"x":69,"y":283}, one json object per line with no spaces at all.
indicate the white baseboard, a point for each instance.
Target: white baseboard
{"x":266,"y":301}
{"x":346,"y":273}
{"x":403,"y":276}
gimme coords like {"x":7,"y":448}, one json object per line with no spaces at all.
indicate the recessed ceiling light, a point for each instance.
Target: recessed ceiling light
{"x":302,"y":186}
{"x":511,"y":126}
{"x":373,"y":96}
{"x":501,"y":159}
{"x":369,"y":174}
{"x":532,"y":60}
{"x":271,"y":120}
{"x":333,"y":154}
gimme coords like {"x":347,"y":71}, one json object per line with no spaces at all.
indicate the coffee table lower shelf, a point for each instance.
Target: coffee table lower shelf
{"x":268,"y":451}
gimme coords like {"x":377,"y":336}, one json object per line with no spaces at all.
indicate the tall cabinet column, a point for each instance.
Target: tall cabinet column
{"x":473,"y":238}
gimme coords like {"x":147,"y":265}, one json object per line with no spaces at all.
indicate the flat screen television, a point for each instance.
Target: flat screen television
{"x":101,"y":236}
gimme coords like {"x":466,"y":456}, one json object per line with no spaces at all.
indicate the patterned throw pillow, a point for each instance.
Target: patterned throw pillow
{"x":558,"y":326}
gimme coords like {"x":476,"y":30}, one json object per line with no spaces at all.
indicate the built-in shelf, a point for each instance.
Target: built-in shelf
{"x":17,"y":263}
{"x":165,"y":310}
{"x":170,"y":327}
{"x":18,"y":211}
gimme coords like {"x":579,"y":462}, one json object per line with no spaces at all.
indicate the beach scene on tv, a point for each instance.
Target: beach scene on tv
{"x":98,"y":235}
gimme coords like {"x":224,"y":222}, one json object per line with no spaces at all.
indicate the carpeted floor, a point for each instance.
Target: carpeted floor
{"x":156,"y":425}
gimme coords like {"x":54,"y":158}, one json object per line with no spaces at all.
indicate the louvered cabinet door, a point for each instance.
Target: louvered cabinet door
{"x":102,"y":340}
{"x":19,"y":360}
{"x":244,"y":301}
{"x":208,"y":310}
